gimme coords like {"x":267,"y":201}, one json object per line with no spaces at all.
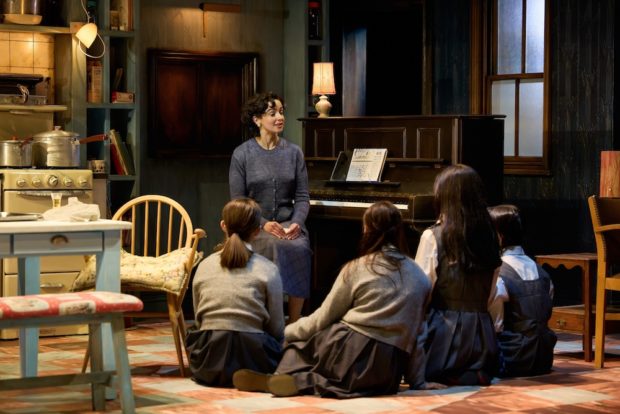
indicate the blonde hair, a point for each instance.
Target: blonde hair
{"x":242,"y":218}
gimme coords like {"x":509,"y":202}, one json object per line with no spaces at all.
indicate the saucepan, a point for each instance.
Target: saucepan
{"x":58,"y":148}
{"x":16,"y":152}
{"x":22,"y":11}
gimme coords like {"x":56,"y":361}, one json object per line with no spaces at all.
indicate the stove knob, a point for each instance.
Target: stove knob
{"x":52,"y":180}
{"x":36,"y":181}
{"x":21,"y":182}
{"x":67,"y":181}
{"x":82,"y":182}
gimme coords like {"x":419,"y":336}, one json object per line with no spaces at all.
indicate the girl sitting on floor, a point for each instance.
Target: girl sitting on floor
{"x":237,"y":304}
{"x":461,"y":256}
{"x":359,"y":340}
{"x":523,"y":307}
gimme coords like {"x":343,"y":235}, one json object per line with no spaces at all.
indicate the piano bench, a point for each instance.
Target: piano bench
{"x":94,"y":308}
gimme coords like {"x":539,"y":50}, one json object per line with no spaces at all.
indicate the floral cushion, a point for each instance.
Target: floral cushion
{"x":163,"y":273}
{"x":58,"y":304}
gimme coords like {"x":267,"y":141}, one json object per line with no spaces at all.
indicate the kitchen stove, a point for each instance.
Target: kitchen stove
{"x":26,"y":191}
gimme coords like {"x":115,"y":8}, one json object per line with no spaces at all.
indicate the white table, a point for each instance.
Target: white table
{"x":29,"y":240}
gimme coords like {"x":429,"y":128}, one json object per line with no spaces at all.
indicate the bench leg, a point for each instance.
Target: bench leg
{"x":122,"y":364}
{"x":96,"y":365}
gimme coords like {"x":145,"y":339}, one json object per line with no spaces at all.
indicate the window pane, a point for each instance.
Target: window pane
{"x":531,"y":118}
{"x":503,"y":103}
{"x":509,"y":24}
{"x":534,"y":36}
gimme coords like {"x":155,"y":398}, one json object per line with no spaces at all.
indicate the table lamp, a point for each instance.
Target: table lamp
{"x":323,"y":84}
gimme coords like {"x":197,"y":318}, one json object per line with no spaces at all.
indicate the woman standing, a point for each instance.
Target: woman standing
{"x":461,"y":256}
{"x":272,"y":171}
{"x":237,"y":304}
{"x":359,"y":341}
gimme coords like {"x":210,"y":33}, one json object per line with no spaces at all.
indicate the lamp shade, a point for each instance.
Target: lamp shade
{"x":323,"y":79}
{"x":87,"y":34}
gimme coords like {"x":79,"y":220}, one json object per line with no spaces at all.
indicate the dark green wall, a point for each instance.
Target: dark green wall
{"x":582,"y":114}
{"x":448,"y":28}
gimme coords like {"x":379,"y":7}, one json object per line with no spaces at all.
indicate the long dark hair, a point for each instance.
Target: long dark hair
{"x":242,"y":218}
{"x":383,"y":231}
{"x":468,"y":236}
{"x":256,"y":107}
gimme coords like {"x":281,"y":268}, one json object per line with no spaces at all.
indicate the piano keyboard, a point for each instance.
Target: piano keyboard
{"x":353,"y":204}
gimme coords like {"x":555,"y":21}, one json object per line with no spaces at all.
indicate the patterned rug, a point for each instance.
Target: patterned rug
{"x":574,"y":386}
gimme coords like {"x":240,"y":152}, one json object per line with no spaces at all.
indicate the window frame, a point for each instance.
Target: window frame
{"x":515,"y":164}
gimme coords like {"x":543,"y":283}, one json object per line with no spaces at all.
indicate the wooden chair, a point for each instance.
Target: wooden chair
{"x":605,"y":213}
{"x":93,"y":308}
{"x":160,"y":229}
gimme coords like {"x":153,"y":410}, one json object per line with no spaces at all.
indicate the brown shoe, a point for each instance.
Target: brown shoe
{"x":248,"y":380}
{"x":282,"y":385}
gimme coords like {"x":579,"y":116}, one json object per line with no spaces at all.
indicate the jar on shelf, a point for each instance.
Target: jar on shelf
{"x":314,"y":20}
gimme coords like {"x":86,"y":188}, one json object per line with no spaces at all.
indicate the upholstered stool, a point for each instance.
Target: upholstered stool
{"x":94,"y":308}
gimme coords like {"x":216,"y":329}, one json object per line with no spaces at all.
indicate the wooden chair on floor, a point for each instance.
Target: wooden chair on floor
{"x":605,"y":213}
{"x":159,"y":253}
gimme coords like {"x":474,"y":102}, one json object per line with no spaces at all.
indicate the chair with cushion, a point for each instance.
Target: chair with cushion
{"x":605,"y":213}
{"x":159,"y":253}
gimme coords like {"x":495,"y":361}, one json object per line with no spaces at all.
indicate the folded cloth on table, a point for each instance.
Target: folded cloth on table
{"x":74,"y":210}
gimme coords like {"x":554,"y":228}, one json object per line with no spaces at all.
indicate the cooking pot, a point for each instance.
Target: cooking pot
{"x":58,"y":148}
{"x":16,"y":153}
{"x":22,"y":11}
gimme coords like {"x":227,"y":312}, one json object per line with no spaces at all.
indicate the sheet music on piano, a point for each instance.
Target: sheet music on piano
{"x":361,"y":165}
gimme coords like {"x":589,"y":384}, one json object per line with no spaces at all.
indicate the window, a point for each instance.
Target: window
{"x":518,"y":84}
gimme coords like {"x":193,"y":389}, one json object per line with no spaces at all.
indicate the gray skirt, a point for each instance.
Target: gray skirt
{"x":215,"y":355}
{"x":293,"y":258}
{"x":341,"y":363}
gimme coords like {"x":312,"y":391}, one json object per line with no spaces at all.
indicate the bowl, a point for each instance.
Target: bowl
{"x":22,"y":18}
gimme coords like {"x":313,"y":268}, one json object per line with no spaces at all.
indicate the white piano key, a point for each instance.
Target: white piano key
{"x":355,"y":204}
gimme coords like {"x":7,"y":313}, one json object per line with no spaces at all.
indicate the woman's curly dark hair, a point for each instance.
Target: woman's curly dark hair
{"x":256,"y":106}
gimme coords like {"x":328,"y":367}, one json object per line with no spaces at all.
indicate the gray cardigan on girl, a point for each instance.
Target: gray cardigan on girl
{"x":246,"y":299}
{"x":388,"y":308}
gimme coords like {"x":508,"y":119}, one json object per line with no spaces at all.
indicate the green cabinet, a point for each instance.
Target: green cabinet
{"x":118,"y":72}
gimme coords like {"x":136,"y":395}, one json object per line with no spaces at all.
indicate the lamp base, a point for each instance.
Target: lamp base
{"x":323,"y":106}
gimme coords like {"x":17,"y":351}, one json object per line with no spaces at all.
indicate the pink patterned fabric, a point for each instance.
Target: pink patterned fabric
{"x":74,"y":303}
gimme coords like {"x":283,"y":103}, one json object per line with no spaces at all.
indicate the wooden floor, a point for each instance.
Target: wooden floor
{"x":573,"y":387}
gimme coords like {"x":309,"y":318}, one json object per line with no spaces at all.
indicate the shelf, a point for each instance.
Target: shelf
{"x":34,"y":28}
{"x":122,"y":51}
{"x":91,"y":105}
{"x":117,"y":33}
{"x":116,"y":177}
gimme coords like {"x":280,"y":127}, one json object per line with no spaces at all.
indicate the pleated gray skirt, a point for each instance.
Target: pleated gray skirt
{"x":341,"y":363}
{"x":214,"y":355}
{"x":461,"y":348}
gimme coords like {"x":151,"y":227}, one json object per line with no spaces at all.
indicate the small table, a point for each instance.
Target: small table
{"x":29,"y":240}
{"x":587,"y":262}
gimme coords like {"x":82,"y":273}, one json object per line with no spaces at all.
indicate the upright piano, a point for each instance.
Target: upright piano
{"x":419,"y":147}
